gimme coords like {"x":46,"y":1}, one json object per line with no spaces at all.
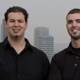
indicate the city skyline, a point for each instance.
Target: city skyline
{"x":44,"y":41}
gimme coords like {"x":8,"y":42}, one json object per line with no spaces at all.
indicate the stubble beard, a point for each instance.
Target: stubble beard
{"x":75,"y":35}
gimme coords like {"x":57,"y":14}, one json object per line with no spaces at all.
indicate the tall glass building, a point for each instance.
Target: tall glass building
{"x":44,"y":41}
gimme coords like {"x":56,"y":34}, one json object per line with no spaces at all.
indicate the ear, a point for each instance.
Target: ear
{"x":26,"y":24}
{"x":4,"y":22}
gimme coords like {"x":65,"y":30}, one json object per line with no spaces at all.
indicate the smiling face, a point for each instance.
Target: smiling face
{"x":73,"y":25}
{"x":16,"y":24}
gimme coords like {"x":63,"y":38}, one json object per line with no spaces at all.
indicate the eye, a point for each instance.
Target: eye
{"x":20,"y":21}
{"x":78,"y":20}
{"x":11,"y":20}
{"x":69,"y":21}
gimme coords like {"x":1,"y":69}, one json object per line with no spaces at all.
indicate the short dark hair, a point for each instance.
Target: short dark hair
{"x":72,"y":11}
{"x":16,"y":9}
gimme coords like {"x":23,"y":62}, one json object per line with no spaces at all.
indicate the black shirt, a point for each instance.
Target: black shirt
{"x":30,"y":64}
{"x":65,"y":65}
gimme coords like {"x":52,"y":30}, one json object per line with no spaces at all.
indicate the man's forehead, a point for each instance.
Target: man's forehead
{"x":74,"y":16}
{"x":15,"y":15}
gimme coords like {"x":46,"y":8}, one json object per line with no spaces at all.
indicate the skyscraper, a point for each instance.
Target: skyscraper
{"x":44,"y":41}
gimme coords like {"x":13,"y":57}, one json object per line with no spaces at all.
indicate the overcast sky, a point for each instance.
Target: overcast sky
{"x":46,"y":13}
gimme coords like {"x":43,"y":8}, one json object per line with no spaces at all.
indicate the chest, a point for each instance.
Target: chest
{"x":22,"y":67}
{"x":71,"y":70}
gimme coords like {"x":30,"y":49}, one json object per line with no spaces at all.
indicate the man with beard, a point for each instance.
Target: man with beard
{"x":66,"y":64}
{"x":19,"y":60}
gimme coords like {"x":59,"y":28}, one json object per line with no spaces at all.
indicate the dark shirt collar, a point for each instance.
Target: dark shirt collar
{"x":6,"y":44}
{"x":75,"y":51}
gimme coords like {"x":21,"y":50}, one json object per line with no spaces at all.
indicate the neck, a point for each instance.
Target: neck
{"x":76,"y":43}
{"x":16,"y":40}
{"x":17,"y":43}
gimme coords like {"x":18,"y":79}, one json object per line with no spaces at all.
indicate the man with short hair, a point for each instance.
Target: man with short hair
{"x":19,"y":60}
{"x":65,"y":65}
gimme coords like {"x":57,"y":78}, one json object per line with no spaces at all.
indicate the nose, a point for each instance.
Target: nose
{"x":16,"y":23}
{"x":74,"y":23}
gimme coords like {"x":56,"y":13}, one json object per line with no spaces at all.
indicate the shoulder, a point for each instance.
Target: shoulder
{"x":61,"y":53}
{"x":35,"y":50}
{"x":41,"y":56}
{"x":1,"y":45}
{"x":60,"y":56}
{"x":39,"y":53}
{"x":1,"y":50}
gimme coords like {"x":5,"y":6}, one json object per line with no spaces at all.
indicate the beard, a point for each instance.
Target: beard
{"x":75,"y":34}
{"x":75,"y":37}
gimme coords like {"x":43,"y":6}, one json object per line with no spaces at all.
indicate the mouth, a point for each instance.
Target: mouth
{"x":16,"y":30}
{"x":74,"y":31}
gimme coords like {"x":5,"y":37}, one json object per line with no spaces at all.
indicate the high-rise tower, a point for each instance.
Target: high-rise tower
{"x":44,"y":41}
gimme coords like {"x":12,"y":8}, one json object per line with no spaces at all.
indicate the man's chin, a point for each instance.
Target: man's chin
{"x":75,"y":37}
{"x":15,"y":36}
